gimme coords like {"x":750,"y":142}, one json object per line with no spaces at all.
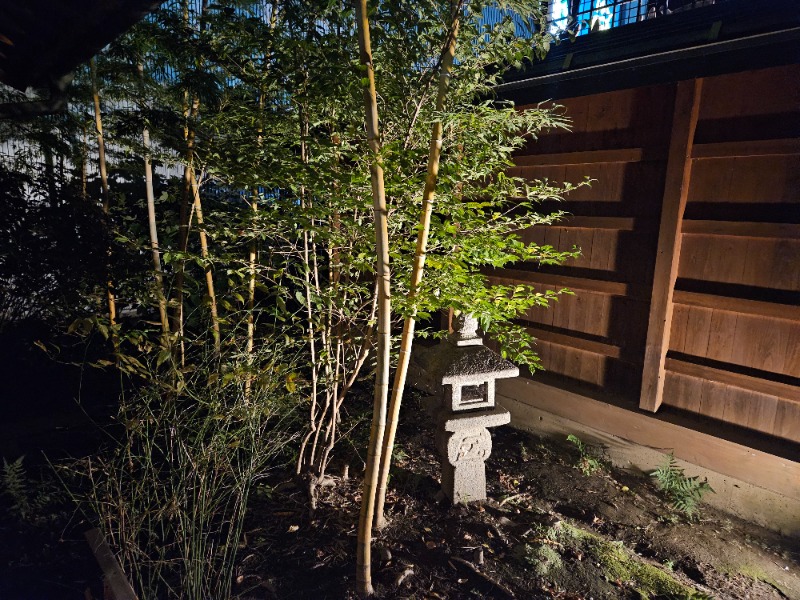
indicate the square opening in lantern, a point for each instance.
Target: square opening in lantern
{"x":473,"y":396}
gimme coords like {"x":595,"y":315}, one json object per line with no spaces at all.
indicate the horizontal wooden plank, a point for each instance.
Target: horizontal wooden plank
{"x":742,"y":229}
{"x":738,"y":305}
{"x":748,"y":148}
{"x":614,"y":223}
{"x":574,"y":341}
{"x":581,"y":158}
{"x":612,"y":288}
{"x":745,"y":382}
{"x":709,"y":451}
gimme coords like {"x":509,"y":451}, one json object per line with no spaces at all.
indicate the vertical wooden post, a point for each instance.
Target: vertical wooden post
{"x":676,"y":190}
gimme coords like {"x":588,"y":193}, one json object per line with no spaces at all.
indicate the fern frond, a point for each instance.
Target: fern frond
{"x":684,"y":492}
{"x":15,"y":486}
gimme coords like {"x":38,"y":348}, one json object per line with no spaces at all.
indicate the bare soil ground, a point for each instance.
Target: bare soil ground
{"x":547,"y":531}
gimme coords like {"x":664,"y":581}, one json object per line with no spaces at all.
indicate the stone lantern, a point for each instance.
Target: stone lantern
{"x":460,"y":375}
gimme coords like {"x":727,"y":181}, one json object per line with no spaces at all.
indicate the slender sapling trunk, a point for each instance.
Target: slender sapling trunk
{"x":151,"y":219}
{"x":209,"y":275}
{"x":101,"y":157}
{"x":407,"y":338}
{"x":364,"y":570}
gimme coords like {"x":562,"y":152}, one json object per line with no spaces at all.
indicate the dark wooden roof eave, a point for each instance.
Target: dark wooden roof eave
{"x":42,"y":41}
{"x":734,"y":36}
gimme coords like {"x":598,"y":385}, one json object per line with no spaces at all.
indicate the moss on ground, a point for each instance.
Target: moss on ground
{"x":755,"y":573}
{"x":620,"y":565}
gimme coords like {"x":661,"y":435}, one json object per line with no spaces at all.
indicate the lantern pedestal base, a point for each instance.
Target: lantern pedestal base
{"x":464,"y":444}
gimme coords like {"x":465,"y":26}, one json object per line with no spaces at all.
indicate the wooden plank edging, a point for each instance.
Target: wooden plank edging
{"x":114,"y":576}
{"x":753,"y":466}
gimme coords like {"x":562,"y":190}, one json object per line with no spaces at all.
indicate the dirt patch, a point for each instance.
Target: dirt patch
{"x":548,"y":531}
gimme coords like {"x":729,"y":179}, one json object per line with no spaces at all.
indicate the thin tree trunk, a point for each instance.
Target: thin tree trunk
{"x":184,"y":212}
{"x":252,"y":261}
{"x":212,"y":297}
{"x":101,"y":157}
{"x":151,"y":218}
{"x":364,"y":570}
{"x":50,"y":176}
{"x":416,"y":276}
{"x":190,"y":112}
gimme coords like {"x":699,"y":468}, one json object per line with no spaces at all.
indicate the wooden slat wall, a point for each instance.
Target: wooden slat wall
{"x":734,"y":334}
{"x":619,"y":140}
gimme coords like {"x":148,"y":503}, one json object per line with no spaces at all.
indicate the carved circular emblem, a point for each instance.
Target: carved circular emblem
{"x":473,"y":444}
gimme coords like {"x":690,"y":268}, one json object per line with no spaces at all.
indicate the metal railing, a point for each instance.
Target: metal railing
{"x":584,"y":16}
{"x":579,"y":17}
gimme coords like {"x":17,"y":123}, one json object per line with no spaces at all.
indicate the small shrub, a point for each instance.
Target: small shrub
{"x":683,"y":492}
{"x":588,"y":461}
{"x":171,"y":495}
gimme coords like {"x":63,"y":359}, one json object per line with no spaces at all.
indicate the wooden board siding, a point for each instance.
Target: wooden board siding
{"x":724,"y":308}
{"x":596,"y":337}
{"x":737,"y":322}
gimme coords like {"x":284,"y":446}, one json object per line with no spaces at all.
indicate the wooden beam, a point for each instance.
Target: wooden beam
{"x":676,"y":191}
{"x":620,"y":155}
{"x":612,"y":288}
{"x":758,"y":308}
{"x":739,"y":380}
{"x":742,"y":229}
{"x":749,"y":148}
{"x":715,"y":453}
{"x":574,"y":341}
{"x":613,"y":223}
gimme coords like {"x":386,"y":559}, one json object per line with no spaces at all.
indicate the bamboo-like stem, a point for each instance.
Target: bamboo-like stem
{"x":302,"y":461}
{"x":50,"y":175}
{"x":252,"y":256}
{"x":418,"y":269}
{"x":84,"y":166}
{"x":151,"y":219}
{"x":190,"y":112}
{"x":364,"y":568}
{"x":212,"y":297}
{"x":252,"y":259}
{"x":101,"y":157}
{"x":184,"y":218}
